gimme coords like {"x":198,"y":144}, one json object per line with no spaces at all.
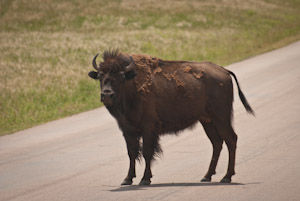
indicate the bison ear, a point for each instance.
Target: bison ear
{"x":130,"y":74}
{"x":93,"y":75}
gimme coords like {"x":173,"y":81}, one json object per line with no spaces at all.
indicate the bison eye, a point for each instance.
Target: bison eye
{"x":122,"y":73}
{"x":100,"y":75}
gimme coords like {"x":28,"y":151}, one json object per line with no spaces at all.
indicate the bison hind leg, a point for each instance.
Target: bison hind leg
{"x":228,"y":134}
{"x":217,"y":142}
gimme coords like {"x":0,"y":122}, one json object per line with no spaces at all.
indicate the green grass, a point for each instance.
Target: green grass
{"x":47,"y":46}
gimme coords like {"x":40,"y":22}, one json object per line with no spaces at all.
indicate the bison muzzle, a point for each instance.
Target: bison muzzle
{"x":150,"y":97}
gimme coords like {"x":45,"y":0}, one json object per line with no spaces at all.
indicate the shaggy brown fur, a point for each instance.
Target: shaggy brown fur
{"x":150,"y":97}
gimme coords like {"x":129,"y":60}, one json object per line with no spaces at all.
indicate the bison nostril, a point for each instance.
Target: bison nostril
{"x":107,"y":94}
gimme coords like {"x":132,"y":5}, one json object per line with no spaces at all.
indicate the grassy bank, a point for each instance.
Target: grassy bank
{"x":47,"y":46}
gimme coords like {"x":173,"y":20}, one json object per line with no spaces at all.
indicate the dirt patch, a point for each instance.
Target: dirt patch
{"x":187,"y":69}
{"x":146,"y":66}
{"x":157,"y":70}
{"x":175,"y":77}
{"x":198,"y":75}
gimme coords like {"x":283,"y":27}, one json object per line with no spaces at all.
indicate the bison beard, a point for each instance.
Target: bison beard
{"x":150,"y":97}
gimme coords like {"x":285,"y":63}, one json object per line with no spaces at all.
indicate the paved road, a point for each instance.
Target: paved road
{"x":84,"y":157}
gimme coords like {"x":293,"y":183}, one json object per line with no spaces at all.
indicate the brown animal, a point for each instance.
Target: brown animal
{"x":150,"y":97}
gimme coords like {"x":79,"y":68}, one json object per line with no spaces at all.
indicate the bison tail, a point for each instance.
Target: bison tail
{"x":242,"y":96}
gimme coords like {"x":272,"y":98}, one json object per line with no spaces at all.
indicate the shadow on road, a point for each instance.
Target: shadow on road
{"x":136,"y":187}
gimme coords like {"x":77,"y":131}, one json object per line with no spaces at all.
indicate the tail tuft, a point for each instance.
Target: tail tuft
{"x":246,"y":104}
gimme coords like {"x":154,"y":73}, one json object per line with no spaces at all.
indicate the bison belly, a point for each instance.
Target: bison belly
{"x":180,"y":107}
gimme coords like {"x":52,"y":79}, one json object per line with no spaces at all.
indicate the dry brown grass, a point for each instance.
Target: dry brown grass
{"x":47,"y":45}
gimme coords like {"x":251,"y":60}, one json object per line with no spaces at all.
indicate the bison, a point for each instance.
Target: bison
{"x":150,"y":97}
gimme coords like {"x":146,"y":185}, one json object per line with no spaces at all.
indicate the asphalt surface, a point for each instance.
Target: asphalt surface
{"x":84,"y":157}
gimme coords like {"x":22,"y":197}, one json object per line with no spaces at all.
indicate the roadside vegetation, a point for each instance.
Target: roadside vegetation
{"x":46,"y":47}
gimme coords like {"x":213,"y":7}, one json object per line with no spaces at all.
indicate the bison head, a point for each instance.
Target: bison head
{"x":113,"y":73}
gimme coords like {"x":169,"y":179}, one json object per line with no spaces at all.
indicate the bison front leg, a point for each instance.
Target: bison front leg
{"x":133,"y":148}
{"x":150,"y":148}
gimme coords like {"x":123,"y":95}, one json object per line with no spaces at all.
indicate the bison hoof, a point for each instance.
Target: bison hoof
{"x":205,"y":179}
{"x":127,"y":182}
{"x":145,"y":183}
{"x":225,"y":180}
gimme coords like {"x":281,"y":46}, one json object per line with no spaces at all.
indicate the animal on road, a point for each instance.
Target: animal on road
{"x":150,"y":97}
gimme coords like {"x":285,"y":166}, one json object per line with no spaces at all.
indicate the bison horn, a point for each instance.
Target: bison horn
{"x":125,"y":58}
{"x":129,"y":61}
{"x":130,"y":66}
{"x":94,"y":62}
